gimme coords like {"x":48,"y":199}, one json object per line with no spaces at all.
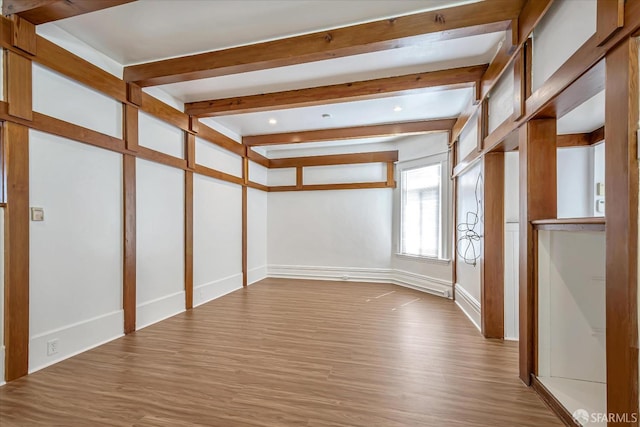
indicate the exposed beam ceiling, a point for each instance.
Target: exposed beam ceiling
{"x":442,"y":24}
{"x":406,"y":128}
{"x":355,"y":91}
{"x":42,"y":11}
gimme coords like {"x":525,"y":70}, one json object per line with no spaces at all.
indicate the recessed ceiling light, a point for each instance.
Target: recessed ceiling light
{"x":397,"y":108}
{"x":326,"y":115}
{"x":273,"y":121}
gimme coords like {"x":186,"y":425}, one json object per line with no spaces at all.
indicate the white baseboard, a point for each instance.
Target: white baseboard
{"x":153,"y":311}
{"x":212,"y":290}
{"x":256,"y":274}
{"x":2,"y":382}
{"x":407,"y":279}
{"x":74,"y":339}
{"x":469,"y":306}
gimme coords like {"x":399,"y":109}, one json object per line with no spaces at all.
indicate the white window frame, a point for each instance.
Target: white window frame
{"x":445,"y":206}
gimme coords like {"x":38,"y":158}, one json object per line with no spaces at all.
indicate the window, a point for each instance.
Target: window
{"x":422,"y":211}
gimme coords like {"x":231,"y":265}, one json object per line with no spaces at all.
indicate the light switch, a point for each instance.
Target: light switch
{"x":37,"y":214}
{"x":600,"y":189}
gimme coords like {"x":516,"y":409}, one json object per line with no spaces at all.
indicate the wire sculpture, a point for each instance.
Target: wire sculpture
{"x":469,"y":237}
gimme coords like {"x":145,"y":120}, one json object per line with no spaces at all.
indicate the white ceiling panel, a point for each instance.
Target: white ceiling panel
{"x":433,"y":56}
{"x":443,"y":104}
{"x":148,"y":30}
{"x":587,"y":117}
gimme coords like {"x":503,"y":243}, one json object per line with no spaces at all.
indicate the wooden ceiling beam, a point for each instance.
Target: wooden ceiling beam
{"x":42,"y":11}
{"x":454,"y":78}
{"x":580,"y":139}
{"x":335,"y":159}
{"x":390,"y":129}
{"x":442,"y":24}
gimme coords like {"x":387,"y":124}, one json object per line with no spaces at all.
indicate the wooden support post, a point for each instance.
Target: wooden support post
{"x":188,"y":238}
{"x":299,"y":177}
{"x":18,"y":85}
{"x":538,"y":200}
{"x":610,"y":18}
{"x":190,"y":150}
{"x":519,"y":84}
{"x":492,"y":291}
{"x":130,"y":127}
{"x":245,"y":247}
{"x":621,"y":181}
{"x":129,"y":267}
{"x":16,"y":251}
{"x":391,"y":181}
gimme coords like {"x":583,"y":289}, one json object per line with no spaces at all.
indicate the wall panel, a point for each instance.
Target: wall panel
{"x":160,"y":136}
{"x":76,"y":252}
{"x":160,"y":242}
{"x":212,"y":156}
{"x":256,"y":235}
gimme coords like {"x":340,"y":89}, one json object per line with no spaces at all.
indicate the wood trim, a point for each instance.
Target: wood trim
{"x":188,"y":239}
{"x":190,"y":149}
{"x":570,"y":224}
{"x":130,"y":125}
{"x":442,"y":24}
{"x":257,"y":186}
{"x":212,"y":173}
{"x":621,"y":182}
{"x":610,"y":18}
{"x":554,"y":404}
{"x":453,"y":78}
{"x":335,"y":159}
{"x":519,"y":83}
{"x":16,"y":251}
{"x":164,"y":112}
{"x":134,"y":94}
{"x":465,"y":164}
{"x":18,"y":83}
{"x":346,"y":186}
{"x":130,"y":242}
{"x":596,"y":136}
{"x":257,"y":157}
{"x":158,"y":157}
{"x":299,"y":177}
{"x":42,"y":11}
{"x":538,"y":200}
{"x":388,"y":129}
{"x":215,"y":137}
{"x":391,"y":181}
{"x":23,"y":35}
{"x":492,"y":291}
{"x":3,"y":170}
{"x":573,"y":140}
{"x":245,"y":244}
{"x":483,"y":124}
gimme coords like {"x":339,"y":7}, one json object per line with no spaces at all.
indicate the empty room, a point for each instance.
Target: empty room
{"x":319,"y":213}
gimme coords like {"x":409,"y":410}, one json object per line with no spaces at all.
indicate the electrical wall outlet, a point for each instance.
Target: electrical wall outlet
{"x":37,"y":214}
{"x":52,"y":347}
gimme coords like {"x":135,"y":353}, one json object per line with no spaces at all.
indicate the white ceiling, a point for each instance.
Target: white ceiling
{"x":148,"y":30}
{"x":586,"y":117}
{"x":290,"y":150}
{"x":444,"y":104}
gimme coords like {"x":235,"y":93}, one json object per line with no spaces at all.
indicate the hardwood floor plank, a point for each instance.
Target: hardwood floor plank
{"x":290,"y":353}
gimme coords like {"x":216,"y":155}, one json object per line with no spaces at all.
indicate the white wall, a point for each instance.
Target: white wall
{"x":468,"y":141}
{"x":160,"y":242}
{"x":575,"y":182}
{"x":598,"y":177}
{"x":64,"y":99}
{"x":572,"y":305}
{"x":217,"y":238}
{"x":336,"y":174}
{"x":512,"y":246}
{"x":2,"y":295}
{"x":212,"y":156}
{"x":160,"y":136}
{"x":470,"y":209}
{"x":257,"y":212}
{"x":564,"y":28}
{"x":75,"y":267}
{"x":501,"y":100}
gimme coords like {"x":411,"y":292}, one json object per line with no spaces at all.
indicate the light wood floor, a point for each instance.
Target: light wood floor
{"x":290,"y":353}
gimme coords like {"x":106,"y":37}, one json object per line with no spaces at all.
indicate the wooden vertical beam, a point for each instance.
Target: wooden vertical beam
{"x":18,"y":85}
{"x":483,"y":124}
{"x":621,"y":181}
{"x":190,"y":149}
{"x":538,"y":200}
{"x":130,"y":127}
{"x":23,"y":35}
{"x":610,"y":18}
{"x":391,"y":182}
{"x":528,"y":67}
{"x":245,"y":247}
{"x":492,"y":291}
{"x":519,"y":84}
{"x":16,"y":251}
{"x":129,"y":266}
{"x":188,"y":238}
{"x":299,"y":177}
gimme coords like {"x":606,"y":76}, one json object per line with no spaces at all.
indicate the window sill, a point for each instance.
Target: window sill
{"x":427,"y":259}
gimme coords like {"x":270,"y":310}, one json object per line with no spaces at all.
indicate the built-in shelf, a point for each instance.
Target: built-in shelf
{"x":570,"y":224}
